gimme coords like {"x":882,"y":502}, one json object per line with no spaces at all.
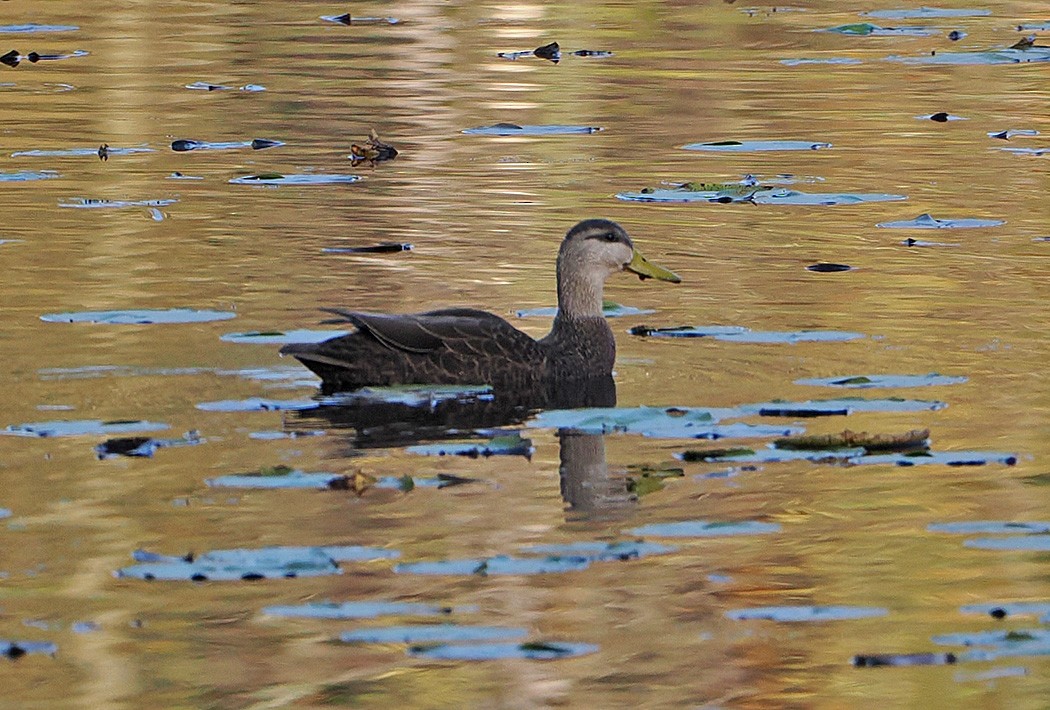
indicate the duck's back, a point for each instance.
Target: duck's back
{"x":449,"y":346}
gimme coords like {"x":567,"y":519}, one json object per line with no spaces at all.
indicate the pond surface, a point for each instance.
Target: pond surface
{"x":626,"y":563}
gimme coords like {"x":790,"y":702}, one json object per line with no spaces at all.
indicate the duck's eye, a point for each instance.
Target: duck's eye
{"x":609,"y":237}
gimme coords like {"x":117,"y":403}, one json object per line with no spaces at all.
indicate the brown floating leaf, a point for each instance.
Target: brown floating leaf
{"x":915,"y":440}
{"x":374,"y":150}
{"x":549,"y":51}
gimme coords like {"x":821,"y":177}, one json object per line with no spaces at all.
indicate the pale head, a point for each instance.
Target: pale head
{"x":591,"y":252}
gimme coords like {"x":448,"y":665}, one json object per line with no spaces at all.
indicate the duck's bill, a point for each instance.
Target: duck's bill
{"x":646,"y":270}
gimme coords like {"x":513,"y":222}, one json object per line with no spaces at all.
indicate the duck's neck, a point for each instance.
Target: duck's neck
{"x":579,"y":291}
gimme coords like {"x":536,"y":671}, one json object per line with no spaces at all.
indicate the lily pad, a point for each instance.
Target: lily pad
{"x":875,"y":660}
{"x":28,"y":176}
{"x":533,"y":651}
{"x":883,"y":381}
{"x":245,"y":564}
{"x":356,"y":610}
{"x":706,"y":528}
{"x":925,"y":13}
{"x":81,"y":427}
{"x":291,"y":479}
{"x":1001,"y":610}
{"x":846,"y":61}
{"x":499,"y":565}
{"x":513,"y":129}
{"x":601,"y":551}
{"x":89,"y":203}
{"x":1019,"y":543}
{"x":296,"y":179}
{"x":926,"y":221}
{"x":385,"y":248}
{"x":258,"y":404}
{"x":867,"y":29}
{"x":139,"y":317}
{"x":17,"y":649}
{"x":511,"y":444}
{"x":185,"y":145}
{"x":433,"y":633}
{"x":33,"y":28}
{"x":731,"y":146}
{"x":73,"y":152}
{"x":806,"y":613}
{"x":989,"y":527}
{"x":280,"y":337}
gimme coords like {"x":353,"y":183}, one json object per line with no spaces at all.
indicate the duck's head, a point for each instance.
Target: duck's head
{"x":601,"y":247}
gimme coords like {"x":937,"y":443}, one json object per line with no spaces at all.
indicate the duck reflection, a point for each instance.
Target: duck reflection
{"x":588,"y":487}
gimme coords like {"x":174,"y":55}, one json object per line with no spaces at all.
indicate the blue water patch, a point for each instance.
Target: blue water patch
{"x":993,"y":638}
{"x":1028,"y":151}
{"x":877,"y":381}
{"x":991,"y":674}
{"x":858,"y":457}
{"x":245,"y":564}
{"x":504,"y":445}
{"x":1013,"y":133}
{"x":534,"y":651}
{"x":1009,"y":55}
{"x":91,"y":203}
{"x":143,"y":447}
{"x":803,"y":61}
{"x":927,"y":221}
{"x":737,"y":334}
{"x":258,"y":404}
{"x":806,"y":613}
{"x":499,"y":565}
{"x":601,"y":551}
{"x":867,"y":29}
{"x":356,"y":610}
{"x":706,"y":528}
{"x":17,"y":649}
{"x":844,"y":407}
{"x":5,"y":513}
{"x":1020,"y":543}
{"x":417,"y":396}
{"x":279,"y":337}
{"x":296,"y":179}
{"x":989,"y":527}
{"x":185,"y":145}
{"x":1003,"y":609}
{"x":139,"y":316}
{"x":656,"y":422}
{"x":205,"y":86}
{"x":293,"y":479}
{"x":28,"y":176}
{"x":433,"y":633}
{"x":345,"y":19}
{"x":81,"y":427}
{"x":32,"y":28}
{"x":73,"y":152}
{"x":925,"y":12}
{"x":763,"y":196}
{"x":513,"y":129}
{"x":755,"y":146}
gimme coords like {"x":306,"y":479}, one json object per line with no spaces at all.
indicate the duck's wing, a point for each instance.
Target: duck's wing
{"x":455,"y":328}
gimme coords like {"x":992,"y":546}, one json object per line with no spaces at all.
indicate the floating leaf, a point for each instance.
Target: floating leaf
{"x":280,"y":337}
{"x":384,"y":248}
{"x":434,"y":633}
{"x":705,"y":528}
{"x":882,"y":381}
{"x":755,"y":146}
{"x":185,"y":145}
{"x":295,"y":179}
{"x":866,"y":29}
{"x":373,"y":150}
{"x":82,"y":427}
{"x":926,"y":221}
{"x":511,"y":129}
{"x":806,"y":613}
{"x":356,"y":610}
{"x":536,"y":651}
{"x":917,"y":439}
{"x":500,"y":565}
{"x":73,"y":152}
{"x":244,"y":564}
{"x":903,"y":659}
{"x":825,"y":268}
{"x":940,"y":117}
{"x":142,"y":446}
{"x":345,"y":19}
{"x":511,"y":444}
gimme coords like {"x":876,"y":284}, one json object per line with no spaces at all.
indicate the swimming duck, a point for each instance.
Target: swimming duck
{"x":469,"y":346}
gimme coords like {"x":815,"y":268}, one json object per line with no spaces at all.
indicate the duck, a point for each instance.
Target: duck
{"x":467,"y":346}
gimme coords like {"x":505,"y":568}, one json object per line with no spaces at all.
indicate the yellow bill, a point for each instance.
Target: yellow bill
{"x":645,"y":270}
